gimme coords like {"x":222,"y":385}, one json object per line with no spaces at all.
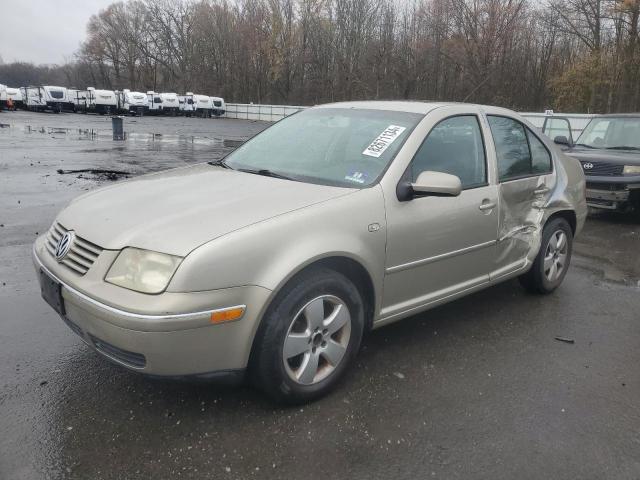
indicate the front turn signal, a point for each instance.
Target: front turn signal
{"x":227,"y":314}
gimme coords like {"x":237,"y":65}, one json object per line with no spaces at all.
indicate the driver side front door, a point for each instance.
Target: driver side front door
{"x":438,"y":247}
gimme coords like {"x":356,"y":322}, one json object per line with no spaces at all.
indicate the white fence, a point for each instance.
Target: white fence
{"x":578,"y":121}
{"x":273,"y":113}
{"x":269,"y":113}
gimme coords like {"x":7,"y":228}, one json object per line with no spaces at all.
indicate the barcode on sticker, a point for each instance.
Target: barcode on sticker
{"x":384,"y":140}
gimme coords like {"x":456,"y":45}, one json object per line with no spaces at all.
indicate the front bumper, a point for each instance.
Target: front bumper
{"x":610,"y":192}
{"x":169,"y":344}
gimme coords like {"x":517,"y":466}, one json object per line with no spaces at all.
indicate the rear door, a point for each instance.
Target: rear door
{"x":525,"y":180}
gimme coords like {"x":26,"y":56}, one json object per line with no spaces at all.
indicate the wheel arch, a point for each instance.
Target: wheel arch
{"x":347,"y":266}
{"x":568,"y":215}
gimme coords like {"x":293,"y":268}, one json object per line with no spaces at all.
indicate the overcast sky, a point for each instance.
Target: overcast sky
{"x":44,"y":31}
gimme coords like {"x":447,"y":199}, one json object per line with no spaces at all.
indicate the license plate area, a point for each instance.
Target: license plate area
{"x":51,"y":292}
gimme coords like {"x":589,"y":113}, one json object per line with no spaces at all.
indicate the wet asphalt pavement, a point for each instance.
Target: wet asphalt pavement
{"x":479,"y":388}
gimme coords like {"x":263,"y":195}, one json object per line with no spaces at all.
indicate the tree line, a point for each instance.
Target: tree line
{"x":570,"y":55}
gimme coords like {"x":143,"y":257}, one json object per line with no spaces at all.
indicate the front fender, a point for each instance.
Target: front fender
{"x":269,"y":253}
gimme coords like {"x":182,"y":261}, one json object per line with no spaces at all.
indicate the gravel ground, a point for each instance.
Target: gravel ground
{"x":478,"y":388}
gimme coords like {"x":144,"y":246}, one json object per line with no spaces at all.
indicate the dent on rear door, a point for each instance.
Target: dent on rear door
{"x":522,"y":214}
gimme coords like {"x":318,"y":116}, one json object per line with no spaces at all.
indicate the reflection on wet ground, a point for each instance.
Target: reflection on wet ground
{"x":89,"y":149}
{"x":107,"y":135}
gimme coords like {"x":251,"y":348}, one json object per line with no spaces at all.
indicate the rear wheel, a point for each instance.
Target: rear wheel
{"x":309,"y":336}
{"x":552,"y":262}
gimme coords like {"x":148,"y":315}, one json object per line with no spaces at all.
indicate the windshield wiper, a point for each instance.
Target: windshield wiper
{"x":623,"y":147}
{"x":584,"y":145}
{"x":219,"y":163}
{"x":265,"y":173}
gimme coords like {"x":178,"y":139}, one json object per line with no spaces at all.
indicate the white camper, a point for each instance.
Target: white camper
{"x":187,"y":108}
{"x":72,"y":99}
{"x":16,"y":97}
{"x":218,"y":106}
{"x":46,"y":97}
{"x":134,"y":103}
{"x":3,"y":96}
{"x":163,"y":103}
{"x":193,"y":104}
{"x":154,"y":102}
{"x":98,"y":101}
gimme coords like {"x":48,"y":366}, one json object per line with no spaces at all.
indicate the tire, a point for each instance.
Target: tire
{"x":293,"y":378}
{"x":553,"y":260}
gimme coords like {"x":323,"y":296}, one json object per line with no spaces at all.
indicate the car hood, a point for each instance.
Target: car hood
{"x":626,"y":157}
{"x":178,"y":210}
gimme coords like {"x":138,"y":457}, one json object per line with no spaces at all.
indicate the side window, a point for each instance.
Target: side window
{"x":540,"y":156}
{"x":454,"y":146}
{"x":512,"y":148}
{"x":556,"y":127}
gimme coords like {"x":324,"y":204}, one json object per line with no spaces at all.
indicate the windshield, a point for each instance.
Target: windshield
{"x":612,"y":133}
{"x":56,"y":93}
{"x":331,"y":146}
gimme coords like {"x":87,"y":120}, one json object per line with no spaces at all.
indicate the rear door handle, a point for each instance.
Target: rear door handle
{"x":542,"y":190}
{"x":486,"y":205}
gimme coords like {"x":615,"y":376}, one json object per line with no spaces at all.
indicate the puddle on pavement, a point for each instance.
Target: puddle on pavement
{"x":107,"y":135}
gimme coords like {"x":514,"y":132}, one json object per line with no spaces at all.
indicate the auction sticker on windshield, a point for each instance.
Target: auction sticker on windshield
{"x":384,"y":140}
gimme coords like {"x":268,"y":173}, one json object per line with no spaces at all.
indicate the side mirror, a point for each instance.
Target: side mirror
{"x":562,"y":140}
{"x":437,"y":184}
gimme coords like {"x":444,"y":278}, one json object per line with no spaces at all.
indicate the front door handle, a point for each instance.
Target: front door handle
{"x":487,"y":205}
{"x":542,"y":190}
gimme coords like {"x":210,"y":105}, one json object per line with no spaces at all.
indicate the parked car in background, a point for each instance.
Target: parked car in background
{"x":609,"y":151}
{"x":336,"y":220}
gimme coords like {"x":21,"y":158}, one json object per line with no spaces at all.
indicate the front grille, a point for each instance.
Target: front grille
{"x":600,"y":168}
{"x":132,"y":359}
{"x":610,"y":187}
{"x":82,"y":253}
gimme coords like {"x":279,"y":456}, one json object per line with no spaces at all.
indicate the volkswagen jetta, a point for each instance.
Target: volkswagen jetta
{"x":336,"y":220}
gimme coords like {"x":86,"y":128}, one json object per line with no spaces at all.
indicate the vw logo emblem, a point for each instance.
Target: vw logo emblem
{"x":64,"y":245}
{"x":587,"y":166}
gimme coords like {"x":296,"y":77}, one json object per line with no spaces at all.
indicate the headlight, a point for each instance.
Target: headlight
{"x":631,"y":170}
{"x":142,"y":270}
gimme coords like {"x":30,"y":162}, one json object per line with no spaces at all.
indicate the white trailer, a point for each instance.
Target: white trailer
{"x":72,"y":99}
{"x":166,"y":103}
{"x":46,"y":97}
{"x":187,"y":107}
{"x":16,"y":97}
{"x":134,"y":103}
{"x":3,"y":96}
{"x":154,"y":102}
{"x":97,"y":101}
{"x":194,"y":104}
{"x":218,"y":106}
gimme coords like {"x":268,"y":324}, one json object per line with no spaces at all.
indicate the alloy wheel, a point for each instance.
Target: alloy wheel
{"x":317,"y":340}
{"x":555,"y":258}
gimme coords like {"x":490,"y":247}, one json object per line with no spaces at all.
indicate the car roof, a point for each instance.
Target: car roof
{"x":390,"y":105}
{"x":620,"y":115}
{"x":417,"y":106}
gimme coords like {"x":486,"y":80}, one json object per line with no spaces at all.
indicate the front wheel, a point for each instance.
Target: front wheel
{"x":309,"y":336}
{"x":552,"y":262}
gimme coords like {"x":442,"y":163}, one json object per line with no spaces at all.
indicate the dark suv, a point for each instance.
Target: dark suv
{"x":609,"y":151}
